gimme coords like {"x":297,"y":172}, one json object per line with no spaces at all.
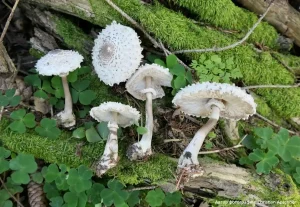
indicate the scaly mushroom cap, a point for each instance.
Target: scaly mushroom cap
{"x":159,"y":76}
{"x":196,"y":99}
{"x":59,"y":62}
{"x":117,"y":53}
{"x":126,"y":115}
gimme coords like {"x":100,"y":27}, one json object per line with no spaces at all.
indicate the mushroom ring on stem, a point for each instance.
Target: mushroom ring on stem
{"x":117,"y":53}
{"x":146,"y":84}
{"x":61,"y":62}
{"x":211,"y":100}
{"x":116,"y":114}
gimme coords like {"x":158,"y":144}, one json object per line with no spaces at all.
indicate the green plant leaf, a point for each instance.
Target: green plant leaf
{"x":80,"y":179}
{"x":171,"y":61}
{"x":56,"y":83}
{"x":189,"y":77}
{"x":37,"y":177}
{"x":155,"y":197}
{"x":141,"y":130}
{"x":208,"y":145}
{"x":288,"y":147}
{"x":33,"y":80}
{"x":114,"y":194}
{"x":250,"y":142}
{"x":17,"y":126}
{"x":40,"y":94}
{"x":3,"y":100}
{"x":94,"y":193}
{"x":264,"y":134}
{"x":245,"y":161}
{"x":84,"y":70}
{"x":7,"y":203}
{"x":173,"y":199}
{"x":92,"y":135}
{"x":72,"y":77}
{"x":177,"y":70}
{"x":103,"y":130}
{"x":86,"y":97}
{"x":133,"y":198}
{"x":50,"y":190}
{"x":179,"y":82}
{"x":160,"y":62}
{"x":48,"y":129}
{"x":216,"y":58}
{"x":266,"y":161}
{"x":83,"y":113}
{"x":56,"y":201}
{"x":71,"y":199}
{"x":79,"y":133}
{"x":81,"y":85}
{"x":4,"y":164}
{"x":50,"y":173}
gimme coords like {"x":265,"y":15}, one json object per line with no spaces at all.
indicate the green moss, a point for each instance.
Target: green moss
{"x":293,"y":62}
{"x":72,"y":35}
{"x":36,"y":53}
{"x":63,"y":150}
{"x":181,"y":33}
{"x":223,"y":13}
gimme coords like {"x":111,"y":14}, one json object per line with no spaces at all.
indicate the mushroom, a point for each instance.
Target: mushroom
{"x":61,"y":62}
{"x":146,"y":84}
{"x":117,"y":53}
{"x":116,"y":114}
{"x":211,"y":100}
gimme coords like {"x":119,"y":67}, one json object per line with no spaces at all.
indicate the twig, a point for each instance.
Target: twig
{"x":11,"y":195}
{"x":272,"y":86}
{"x":172,"y":140}
{"x":8,"y":20}
{"x":214,"y":49}
{"x":224,"y":149}
{"x":1,"y":112}
{"x":142,"y":188}
{"x":272,"y":123}
{"x":283,"y":63}
{"x":154,"y":42}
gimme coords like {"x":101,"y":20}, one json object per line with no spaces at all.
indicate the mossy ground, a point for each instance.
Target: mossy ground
{"x":64,"y":151}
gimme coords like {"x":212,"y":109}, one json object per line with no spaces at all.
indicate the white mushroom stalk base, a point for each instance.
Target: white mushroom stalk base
{"x":142,"y":149}
{"x":109,"y":158}
{"x":188,"y":161}
{"x":66,"y":118}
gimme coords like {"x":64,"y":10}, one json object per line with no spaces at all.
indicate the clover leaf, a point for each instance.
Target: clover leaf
{"x":296,"y":175}
{"x":114,"y":194}
{"x":9,"y":98}
{"x":80,"y":179}
{"x":288,"y":147}
{"x":75,"y":199}
{"x":92,"y":135}
{"x":141,"y":130}
{"x":133,"y":198}
{"x":50,"y":190}
{"x":266,"y":161}
{"x":21,"y":121}
{"x":160,"y":62}
{"x":79,"y":133}
{"x":48,"y":128}
{"x":56,"y":201}
{"x":22,"y":165}
{"x":4,"y":164}
{"x":264,"y":134}
{"x":94,"y":193}
{"x":50,"y":173}
{"x":80,"y":93}
{"x":103,"y":130}
{"x":173,"y":199}
{"x":155,"y":197}
{"x":171,"y":61}
{"x":56,"y":83}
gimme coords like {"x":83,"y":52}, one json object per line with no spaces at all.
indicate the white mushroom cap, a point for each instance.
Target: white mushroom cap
{"x":160,"y":76}
{"x":59,"y":62}
{"x":195,"y":100}
{"x":117,"y":53}
{"x":126,"y":115}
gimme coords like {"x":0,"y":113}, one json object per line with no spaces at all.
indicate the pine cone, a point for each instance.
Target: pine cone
{"x":36,"y":195}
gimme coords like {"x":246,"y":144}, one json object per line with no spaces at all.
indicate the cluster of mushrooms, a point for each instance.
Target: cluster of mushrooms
{"x":117,"y":55}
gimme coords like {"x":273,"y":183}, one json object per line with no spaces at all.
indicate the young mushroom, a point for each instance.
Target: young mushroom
{"x":116,"y":114}
{"x":117,"y":53}
{"x":61,"y":62}
{"x":146,"y":84}
{"x":211,"y":100}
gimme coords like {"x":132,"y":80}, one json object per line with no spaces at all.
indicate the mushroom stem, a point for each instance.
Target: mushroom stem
{"x":109,"y":158}
{"x":66,"y":117}
{"x":68,"y":99}
{"x":189,"y":158}
{"x":142,"y":148}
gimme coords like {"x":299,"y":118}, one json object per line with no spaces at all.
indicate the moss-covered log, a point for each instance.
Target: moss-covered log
{"x":178,"y":32}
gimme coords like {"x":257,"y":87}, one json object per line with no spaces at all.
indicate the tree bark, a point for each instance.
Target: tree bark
{"x":282,"y":16}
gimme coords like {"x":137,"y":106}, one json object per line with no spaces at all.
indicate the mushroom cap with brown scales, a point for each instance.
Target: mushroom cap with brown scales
{"x":196,"y":100}
{"x":126,"y":115}
{"x":160,"y":76}
{"x":117,"y":53}
{"x":59,"y":62}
